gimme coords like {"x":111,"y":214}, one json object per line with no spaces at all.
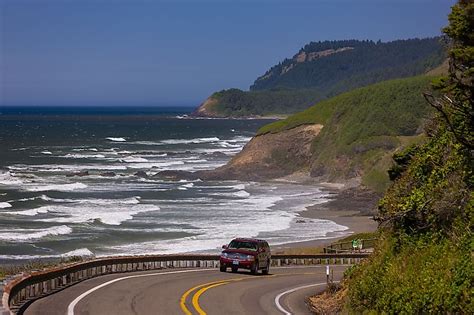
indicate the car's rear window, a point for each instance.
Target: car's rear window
{"x":242,"y":245}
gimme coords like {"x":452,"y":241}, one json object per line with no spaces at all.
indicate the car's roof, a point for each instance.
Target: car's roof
{"x":253,"y":240}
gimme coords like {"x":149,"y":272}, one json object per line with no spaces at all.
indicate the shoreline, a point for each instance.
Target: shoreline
{"x":344,"y":208}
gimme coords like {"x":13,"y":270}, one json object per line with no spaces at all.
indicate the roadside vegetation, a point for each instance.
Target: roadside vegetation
{"x":36,"y":265}
{"x":423,"y":262}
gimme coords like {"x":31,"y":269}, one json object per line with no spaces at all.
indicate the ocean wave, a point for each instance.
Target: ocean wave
{"x":29,"y":234}
{"x":154,"y":164}
{"x":106,"y":202}
{"x":190,"y":141}
{"x":134,"y":159}
{"x":116,"y":139}
{"x":83,"y":156}
{"x":4,"y":205}
{"x":9,"y":178}
{"x":226,"y":144}
{"x":82,"y":213}
{"x":240,"y":139}
{"x":81,"y":252}
{"x":58,"y":187}
{"x":43,"y":197}
{"x":29,"y":212}
{"x":46,"y":152}
{"x":242,"y":194}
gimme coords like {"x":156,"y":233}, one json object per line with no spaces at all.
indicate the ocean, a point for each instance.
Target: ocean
{"x":72,"y":182}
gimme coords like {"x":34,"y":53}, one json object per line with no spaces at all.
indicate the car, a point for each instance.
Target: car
{"x":246,"y":253}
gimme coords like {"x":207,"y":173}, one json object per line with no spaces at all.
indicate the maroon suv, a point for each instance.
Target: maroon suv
{"x":246,"y":253}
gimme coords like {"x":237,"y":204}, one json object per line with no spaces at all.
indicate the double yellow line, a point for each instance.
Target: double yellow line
{"x":206,"y":286}
{"x":202,"y":288}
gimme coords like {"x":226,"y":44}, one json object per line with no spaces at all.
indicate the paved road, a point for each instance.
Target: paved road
{"x":189,"y":292}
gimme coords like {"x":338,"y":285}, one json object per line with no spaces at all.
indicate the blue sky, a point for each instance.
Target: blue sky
{"x":163,"y":52}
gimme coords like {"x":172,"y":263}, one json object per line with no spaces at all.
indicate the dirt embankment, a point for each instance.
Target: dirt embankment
{"x":270,"y":156}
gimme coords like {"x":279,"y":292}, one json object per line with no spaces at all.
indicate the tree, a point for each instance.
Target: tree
{"x":456,"y":102}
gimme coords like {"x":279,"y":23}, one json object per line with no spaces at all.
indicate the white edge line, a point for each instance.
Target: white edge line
{"x":278,"y":297}
{"x":70,"y":308}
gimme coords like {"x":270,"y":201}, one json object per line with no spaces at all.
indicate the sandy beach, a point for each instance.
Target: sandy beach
{"x":352,"y":208}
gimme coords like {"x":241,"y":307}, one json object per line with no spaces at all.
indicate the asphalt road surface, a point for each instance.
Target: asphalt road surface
{"x":190,"y":291}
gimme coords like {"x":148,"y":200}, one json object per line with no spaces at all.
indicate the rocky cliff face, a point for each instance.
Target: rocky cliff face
{"x":267,"y":156}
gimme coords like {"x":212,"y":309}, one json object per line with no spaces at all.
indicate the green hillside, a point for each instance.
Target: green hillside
{"x":235,"y":102}
{"x":423,"y":262}
{"x":324,"y":69}
{"x":337,"y":66}
{"x":362,"y":128}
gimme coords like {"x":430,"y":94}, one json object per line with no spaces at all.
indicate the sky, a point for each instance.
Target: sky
{"x":177,"y":53}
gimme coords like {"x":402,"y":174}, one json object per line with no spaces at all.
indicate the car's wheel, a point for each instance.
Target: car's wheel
{"x":254,"y":269}
{"x":267,"y":268}
{"x":223,"y":268}
{"x":234,"y":269}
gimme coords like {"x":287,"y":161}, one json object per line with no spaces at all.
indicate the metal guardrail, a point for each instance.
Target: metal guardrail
{"x":344,"y":247}
{"x":24,"y":289}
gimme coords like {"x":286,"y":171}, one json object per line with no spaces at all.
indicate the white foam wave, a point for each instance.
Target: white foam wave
{"x":9,"y":179}
{"x":190,"y":141}
{"x":81,"y":252}
{"x":30,"y":212}
{"x":226,"y":144}
{"x":83,"y":156}
{"x":88,"y":212}
{"x":58,"y":187}
{"x":4,"y":205}
{"x":46,"y":152}
{"x":134,"y":159}
{"x":116,"y":139}
{"x":43,"y":197}
{"x":29,"y":234}
{"x":242,"y":194}
{"x":106,"y":202}
{"x":154,"y":164}
{"x":55,"y":168}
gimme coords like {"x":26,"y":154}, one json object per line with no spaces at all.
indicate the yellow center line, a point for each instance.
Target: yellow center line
{"x":182,"y":300}
{"x":196,"y":296}
{"x":206,"y":286}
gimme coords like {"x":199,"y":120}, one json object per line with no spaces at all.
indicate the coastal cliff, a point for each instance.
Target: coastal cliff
{"x":362,"y":130}
{"x":268,"y":156}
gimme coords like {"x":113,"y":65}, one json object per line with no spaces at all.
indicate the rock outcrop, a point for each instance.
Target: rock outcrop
{"x":266,"y":156}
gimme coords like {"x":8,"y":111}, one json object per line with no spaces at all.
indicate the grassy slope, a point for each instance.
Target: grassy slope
{"x":362,"y":128}
{"x":423,"y":264}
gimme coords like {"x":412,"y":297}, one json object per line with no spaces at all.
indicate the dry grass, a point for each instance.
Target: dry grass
{"x":330,"y":301}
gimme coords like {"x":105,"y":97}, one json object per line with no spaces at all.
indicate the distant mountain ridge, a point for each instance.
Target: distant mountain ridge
{"x":321,"y":70}
{"x":324,"y":65}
